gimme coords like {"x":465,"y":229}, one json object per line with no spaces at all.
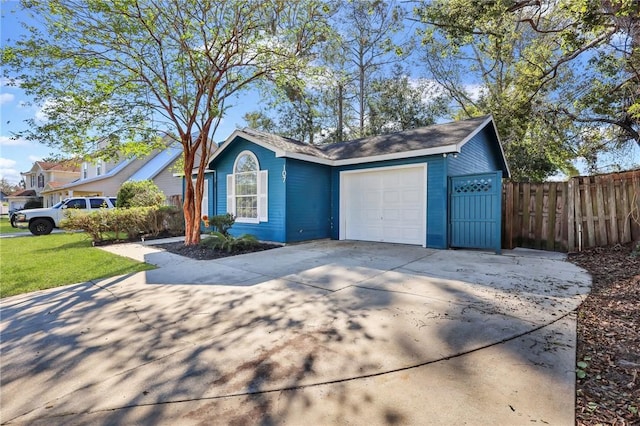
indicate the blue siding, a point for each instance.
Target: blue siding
{"x":436,"y":196}
{"x":274,"y":229}
{"x":308,"y":201}
{"x":479,"y":155}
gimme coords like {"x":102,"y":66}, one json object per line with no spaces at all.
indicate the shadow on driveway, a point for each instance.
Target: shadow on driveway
{"x":326,"y":332}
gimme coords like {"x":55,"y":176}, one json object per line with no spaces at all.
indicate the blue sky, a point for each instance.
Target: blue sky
{"x":19,"y":155}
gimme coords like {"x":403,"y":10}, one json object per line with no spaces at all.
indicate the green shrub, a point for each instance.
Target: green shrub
{"x":144,"y":193}
{"x":132,"y":222}
{"x":94,"y":224}
{"x":219,"y":241}
{"x":165,"y":218}
{"x":222,"y":223}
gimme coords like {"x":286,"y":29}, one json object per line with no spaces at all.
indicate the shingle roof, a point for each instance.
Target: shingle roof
{"x":24,"y":193}
{"x":438,"y":135}
{"x":53,"y":184}
{"x":66,"y":166}
{"x":436,"y":139}
{"x":286,"y":144}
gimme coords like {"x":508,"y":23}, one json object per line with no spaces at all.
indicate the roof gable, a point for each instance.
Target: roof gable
{"x":432,"y":140}
{"x":66,"y":166}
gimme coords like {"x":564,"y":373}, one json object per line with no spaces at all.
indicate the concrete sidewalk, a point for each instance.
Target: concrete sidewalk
{"x":329,"y":332}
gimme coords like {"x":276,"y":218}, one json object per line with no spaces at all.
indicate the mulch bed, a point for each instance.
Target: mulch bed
{"x":202,"y":252}
{"x":608,"y":339}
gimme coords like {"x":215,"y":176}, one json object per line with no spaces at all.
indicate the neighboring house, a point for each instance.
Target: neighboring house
{"x":43,"y":174}
{"x":437,"y":186}
{"x":18,"y":199}
{"x":102,"y":178}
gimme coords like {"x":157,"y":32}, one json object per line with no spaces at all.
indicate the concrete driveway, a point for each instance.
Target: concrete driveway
{"x":328,"y":332}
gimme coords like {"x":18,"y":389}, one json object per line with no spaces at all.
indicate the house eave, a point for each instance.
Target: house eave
{"x":440,"y":150}
{"x":239,"y":133}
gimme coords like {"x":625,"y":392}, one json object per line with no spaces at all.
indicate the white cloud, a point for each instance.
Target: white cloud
{"x":48,"y":106}
{"x":6,"y":163}
{"x":8,"y":171}
{"x":475,"y":91}
{"x":8,"y":141}
{"x":4,"y":82}
{"x":41,"y":115}
{"x":34,"y":158}
{"x":5,"y":98}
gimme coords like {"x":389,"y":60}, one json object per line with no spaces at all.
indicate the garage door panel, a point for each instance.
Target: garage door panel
{"x":411,"y":215}
{"x":370,"y":197}
{"x":391,"y":197}
{"x":385,"y":205}
{"x":391,"y":214}
{"x":371,"y":215}
{"x":412,"y":196}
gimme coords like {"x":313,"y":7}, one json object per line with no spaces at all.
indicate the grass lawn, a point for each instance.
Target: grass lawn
{"x":36,"y":263}
{"x":6,"y":228}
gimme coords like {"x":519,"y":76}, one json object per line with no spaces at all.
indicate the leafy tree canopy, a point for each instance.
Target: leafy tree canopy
{"x":114,"y":76}
{"x":561,"y":77}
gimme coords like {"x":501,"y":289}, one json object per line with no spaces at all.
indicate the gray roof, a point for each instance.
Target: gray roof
{"x":409,"y":140}
{"x":286,"y":144}
{"x":436,"y":139}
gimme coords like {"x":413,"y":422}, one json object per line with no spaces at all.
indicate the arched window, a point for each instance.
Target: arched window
{"x":247,"y":189}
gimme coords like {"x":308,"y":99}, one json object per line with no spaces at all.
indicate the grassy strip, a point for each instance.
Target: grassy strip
{"x":37,"y":263}
{"x":6,"y":228}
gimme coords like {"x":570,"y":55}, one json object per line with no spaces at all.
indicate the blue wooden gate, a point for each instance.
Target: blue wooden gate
{"x":475,"y":211}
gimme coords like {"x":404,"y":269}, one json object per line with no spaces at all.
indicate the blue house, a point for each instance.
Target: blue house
{"x":436,"y":186}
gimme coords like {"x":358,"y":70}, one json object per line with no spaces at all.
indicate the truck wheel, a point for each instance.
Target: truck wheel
{"x":40,"y":227}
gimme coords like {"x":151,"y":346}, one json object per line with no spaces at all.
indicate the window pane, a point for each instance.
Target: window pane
{"x":247,"y":184}
{"x":97,"y":203}
{"x":247,"y":207}
{"x":76,"y":204}
{"x":246,"y":163}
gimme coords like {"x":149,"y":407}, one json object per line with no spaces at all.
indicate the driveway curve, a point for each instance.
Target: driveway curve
{"x":328,"y":332}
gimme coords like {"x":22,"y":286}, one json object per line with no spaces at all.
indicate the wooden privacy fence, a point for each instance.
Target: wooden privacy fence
{"x":586,"y":211}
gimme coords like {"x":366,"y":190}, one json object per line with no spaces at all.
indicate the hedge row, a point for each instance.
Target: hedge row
{"x":134,"y":222}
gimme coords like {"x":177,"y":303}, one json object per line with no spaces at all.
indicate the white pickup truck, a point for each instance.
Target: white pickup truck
{"x":42,"y":221}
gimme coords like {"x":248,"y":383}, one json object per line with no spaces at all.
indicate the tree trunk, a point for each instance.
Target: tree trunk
{"x":190,"y":206}
{"x":340,"y":113}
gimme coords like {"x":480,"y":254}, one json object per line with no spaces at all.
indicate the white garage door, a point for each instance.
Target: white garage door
{"x":387,"y":205}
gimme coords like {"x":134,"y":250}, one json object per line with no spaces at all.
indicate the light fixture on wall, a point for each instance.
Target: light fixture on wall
{"x":454,"y":154}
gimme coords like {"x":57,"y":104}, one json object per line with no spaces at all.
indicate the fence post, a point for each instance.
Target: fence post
{"x":635,"y":207}
{"x":613,"y":214}
{"x":626,"y":212}
{"x":602,"y":216}
{"x":507,"y":190}
{"x":571,"y":223}
{"x":551,"y":216}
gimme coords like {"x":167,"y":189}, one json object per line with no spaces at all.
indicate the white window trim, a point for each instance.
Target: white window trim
{"x":204,"y":205}
{"x":262,"y":192}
